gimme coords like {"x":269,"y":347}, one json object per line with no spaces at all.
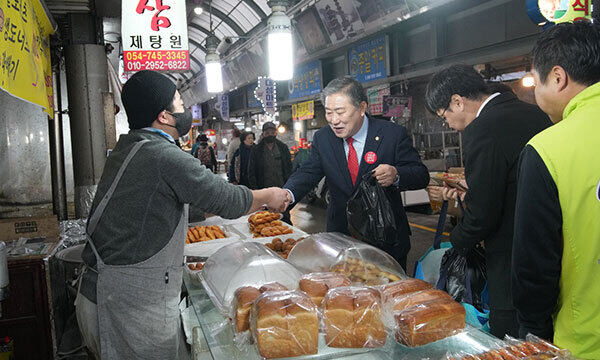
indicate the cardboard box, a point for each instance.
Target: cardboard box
{"x":30,"y":227}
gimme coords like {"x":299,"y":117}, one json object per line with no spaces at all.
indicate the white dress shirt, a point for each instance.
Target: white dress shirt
{"x":485,"y":102}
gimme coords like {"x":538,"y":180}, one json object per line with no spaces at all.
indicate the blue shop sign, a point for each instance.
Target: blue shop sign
{"x":368,"y":61}
{"x":307,"y":80}
{"x":253,"y":102}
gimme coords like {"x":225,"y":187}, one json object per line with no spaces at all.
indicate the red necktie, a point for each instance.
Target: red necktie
{"x":352,"y":161}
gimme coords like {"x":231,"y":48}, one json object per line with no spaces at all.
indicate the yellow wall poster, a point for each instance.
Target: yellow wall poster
{"x":25,"y":69}
{"x":304,"y":110}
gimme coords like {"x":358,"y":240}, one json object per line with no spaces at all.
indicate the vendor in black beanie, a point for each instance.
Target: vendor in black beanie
{"x":127,"y":302}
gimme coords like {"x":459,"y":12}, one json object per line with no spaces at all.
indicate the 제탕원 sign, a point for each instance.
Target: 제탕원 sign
{"x":155,"y":35}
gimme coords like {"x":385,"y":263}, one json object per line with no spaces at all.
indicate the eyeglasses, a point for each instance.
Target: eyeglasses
{"x":444,"y":112}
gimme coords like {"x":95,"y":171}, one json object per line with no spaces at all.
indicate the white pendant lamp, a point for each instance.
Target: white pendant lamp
{"x":279,"y":40}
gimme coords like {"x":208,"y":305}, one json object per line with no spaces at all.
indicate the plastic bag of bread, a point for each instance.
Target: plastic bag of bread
{"x":536,"y":348}
{"x":316,"y":285}
{"x":428,"y":322}
{"x":405,"y":301}
{"x":243,"y":300}
{"x":353,"y":318}
{"x":244,"y":264}
{"x":401,"y":288}
{"x":285,"y":324}
{"x":334,"y":252}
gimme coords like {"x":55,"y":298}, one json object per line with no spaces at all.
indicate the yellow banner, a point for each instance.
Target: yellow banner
{"x":25,"y":70}
{"x":304,"y":110}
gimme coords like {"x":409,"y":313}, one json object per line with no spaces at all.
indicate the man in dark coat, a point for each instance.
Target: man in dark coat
{"x":270,"y":162}
{"x":353,"y":145}
{"x":496,"y":126}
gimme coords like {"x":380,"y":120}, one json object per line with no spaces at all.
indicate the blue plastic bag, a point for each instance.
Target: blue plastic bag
{"x":427,"y":268}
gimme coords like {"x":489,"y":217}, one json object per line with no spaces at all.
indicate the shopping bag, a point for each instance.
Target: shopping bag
{"x":463,"y":276}
{"x":427,"y":268}
{"x":370,"y":215}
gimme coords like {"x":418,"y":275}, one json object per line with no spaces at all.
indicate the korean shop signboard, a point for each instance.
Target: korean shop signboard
{"x":25,"y":69}
{"x":543,"y":12}
{"x":369,"y":60}
{"x":155,"y":35}
{"x":307,"y":80}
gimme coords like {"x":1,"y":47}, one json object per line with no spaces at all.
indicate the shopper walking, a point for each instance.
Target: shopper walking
{"x":206,"y":153}
{"x":238,"y":170}
{"x":556,"y":255}
{"x":270,"y":162}
{"x":496,"y":127}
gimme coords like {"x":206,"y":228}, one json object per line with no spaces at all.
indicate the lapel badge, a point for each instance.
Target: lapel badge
{"x":370,"y":157}
{"x":376,"y":138}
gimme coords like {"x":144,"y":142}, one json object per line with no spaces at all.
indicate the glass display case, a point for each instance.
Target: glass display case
{"x":252,"y":264}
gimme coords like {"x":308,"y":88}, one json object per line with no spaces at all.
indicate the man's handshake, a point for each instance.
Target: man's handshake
{"x":279,"y":199}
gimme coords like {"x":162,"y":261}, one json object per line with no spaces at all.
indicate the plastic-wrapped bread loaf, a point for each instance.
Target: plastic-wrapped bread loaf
{"x":402,"y":287}
{"x":406,"y":301}
{"x":429,"y":322}
{"x":243,"y":299}
{"x":316,"y":285}
{"x":352,"y":317}
{"x":285,"y":324}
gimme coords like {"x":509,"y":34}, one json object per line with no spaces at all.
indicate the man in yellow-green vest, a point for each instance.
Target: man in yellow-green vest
{"x":556,"y":250}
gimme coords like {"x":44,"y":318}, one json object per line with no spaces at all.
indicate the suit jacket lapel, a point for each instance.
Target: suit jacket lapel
{"x":340,"y":158}
{"x":374,"y":139}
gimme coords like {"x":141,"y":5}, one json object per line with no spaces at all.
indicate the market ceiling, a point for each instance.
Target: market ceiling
{"x":231,"y":18}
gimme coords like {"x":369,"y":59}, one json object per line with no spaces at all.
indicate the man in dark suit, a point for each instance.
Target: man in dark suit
{"x":353,"y":145}
{"x":496,"y":126}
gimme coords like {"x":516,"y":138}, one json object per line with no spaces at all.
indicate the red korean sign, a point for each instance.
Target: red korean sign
{"x":155,"y":35}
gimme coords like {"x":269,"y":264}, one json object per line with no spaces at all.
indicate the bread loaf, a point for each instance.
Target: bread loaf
{"x":402,"y":287}
{"x":274,"y":286}
{"x":429,"y":322}
{"x":353,"y":318}
{"x":316,"y":285}
{"x":411,"y":299}
{"x":284,"y":324}
{"x":243,"y":299}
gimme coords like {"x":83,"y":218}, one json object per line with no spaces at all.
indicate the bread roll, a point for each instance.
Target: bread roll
{"x":429,"y":322}
{"x":411,"y":299}
{"x":398,"y":288}
{"x":316,"y":285}
{"x":285,"y":323}
{"x":274,"y":286}
{"x":243,"y":299}
{"x":353,"y":318}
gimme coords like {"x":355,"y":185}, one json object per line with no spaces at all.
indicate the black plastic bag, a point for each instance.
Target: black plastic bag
{"x":370,"y":215}
{"x":463,"y":275}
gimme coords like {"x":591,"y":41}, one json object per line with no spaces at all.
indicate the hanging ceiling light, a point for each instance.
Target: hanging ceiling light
{"x":198,"y":10}
{"x":212,"y":62}
{"x":279,"y":39}
{"x":528,"y":80}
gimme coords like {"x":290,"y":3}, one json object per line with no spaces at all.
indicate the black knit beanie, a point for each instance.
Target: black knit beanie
{"x":144,"y":96}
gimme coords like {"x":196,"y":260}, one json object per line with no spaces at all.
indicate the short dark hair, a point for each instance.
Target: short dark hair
{"x":456,"y":79}
{"x":245,"y":134}
{"x":573,"y":46}
{"x":348,"y":86}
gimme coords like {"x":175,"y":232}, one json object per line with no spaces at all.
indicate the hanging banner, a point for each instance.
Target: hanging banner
{"x":375,"y":96}
{"x":397,"y":106}
{"x":252,"y":101}
{"x":196,"y":115}
{"x":155,"y":35}
{"x":26,"y":71}
{"x":223,"y":106}
{"x":559,"y":11}
{"x":304,"y":110}
{"x":307,"y":80}
{"x":340,"y":18}
{"x":369,"y":60}
{"x":266,"y":93}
